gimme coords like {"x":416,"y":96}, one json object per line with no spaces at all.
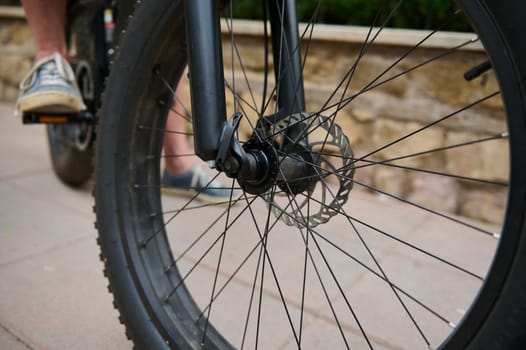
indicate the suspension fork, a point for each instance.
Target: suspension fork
{"x":205,"y":63}
{"x":207,"y":76}
{"x":287,"y":56}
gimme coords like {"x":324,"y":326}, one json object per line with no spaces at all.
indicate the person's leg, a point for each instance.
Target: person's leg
{"x":176,"y":146}
{"x":50,"y":86}
{"x":185,"y":174}
{"x":47,"y":21}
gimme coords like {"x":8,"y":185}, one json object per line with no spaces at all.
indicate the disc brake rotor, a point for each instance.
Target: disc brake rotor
{"x":333,"y":163}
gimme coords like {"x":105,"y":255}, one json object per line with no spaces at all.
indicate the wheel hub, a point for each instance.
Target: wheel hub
{"x":316,"y":190}
{"x":301,"y":166}
{"x":296,"y":170}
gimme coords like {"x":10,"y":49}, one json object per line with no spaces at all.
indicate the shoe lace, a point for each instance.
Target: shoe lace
{"x":43,"y":67}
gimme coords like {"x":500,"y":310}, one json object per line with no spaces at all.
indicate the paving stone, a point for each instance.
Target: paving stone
{"x":53,"y":293}
{"x":23,"y":147}
{"x":9,"y":341}
{"x":59,"y":300}
{"x":32,"y":225}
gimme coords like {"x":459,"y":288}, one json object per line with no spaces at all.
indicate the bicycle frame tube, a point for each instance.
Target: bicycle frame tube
{"x":206,"y":68}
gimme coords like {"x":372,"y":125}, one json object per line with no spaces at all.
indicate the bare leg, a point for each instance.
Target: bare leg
{"x":177,"y":144}
{"x":47,"y":21}
{"x":207,"y":188}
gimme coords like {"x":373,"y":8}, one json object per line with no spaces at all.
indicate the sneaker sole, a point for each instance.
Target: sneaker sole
{"x":50,"y":102}
{"x":200,"y":197}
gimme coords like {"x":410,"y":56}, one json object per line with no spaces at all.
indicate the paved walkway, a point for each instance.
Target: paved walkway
{"x":53,"y":294}
{"x":52,"y":291}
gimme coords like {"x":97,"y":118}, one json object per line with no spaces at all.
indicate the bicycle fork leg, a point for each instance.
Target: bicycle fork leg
{"x":287,"y":56}
{"x":205,"y":61}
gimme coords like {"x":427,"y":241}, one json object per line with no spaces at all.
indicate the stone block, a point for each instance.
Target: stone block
{"x":363,"y":175}
{"x":246,"y":106}
{"x":487,"y":205}
{"x":490,"y":85}
{"x":390,"y":180}
{"x":249,"y":50}
{"x":13,"y":68}
{"x":323,"y":66}
{"x":350,"y":127}
{"x":387,"y":131}
{"x":20,"y":33}
{"x":331,"y":64}
{"x":443,"y":79}
{"x":485,"y":160}
{"x":362,"y":115}
{"x":434,"y":192}
{"x":10,"y":93}
{"x":375,"y":70}
{"x":4,"y":34}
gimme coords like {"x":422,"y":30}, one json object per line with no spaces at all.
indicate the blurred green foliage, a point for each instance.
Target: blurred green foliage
{"x":417,"y":14}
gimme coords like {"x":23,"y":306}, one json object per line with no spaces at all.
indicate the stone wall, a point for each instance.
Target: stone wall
{"x":399,"y":107}
{"x":16,"y":51}
{"x":385,"y":113}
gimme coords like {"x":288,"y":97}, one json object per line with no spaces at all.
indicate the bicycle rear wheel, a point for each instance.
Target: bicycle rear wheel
{"x":71,"y":145}
{"x":359,"y":257}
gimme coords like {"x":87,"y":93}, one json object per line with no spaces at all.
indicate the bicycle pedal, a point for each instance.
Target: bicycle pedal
{"x":49,"y":118}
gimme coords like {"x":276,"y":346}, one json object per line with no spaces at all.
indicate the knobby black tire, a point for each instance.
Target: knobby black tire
{"x":73,"y":164}
{"x":496,"y":319}
{"x":70,"y":164}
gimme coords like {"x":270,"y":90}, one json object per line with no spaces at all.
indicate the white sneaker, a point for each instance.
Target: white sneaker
{"x":50,"y":87}
{"x":196,"y":182}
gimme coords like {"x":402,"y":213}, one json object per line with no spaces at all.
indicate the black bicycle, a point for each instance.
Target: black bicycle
{"x":309,"y":253}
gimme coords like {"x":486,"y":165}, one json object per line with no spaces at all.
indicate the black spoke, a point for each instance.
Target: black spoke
{"x":247,"y":319}
{"x":377,"y":263}
{"x":440,"y":149}
{"x":304,"y":281}
{"x":418,"y":249}
{"x":435,"y":212}
{"x":223,"y":239}
{"x":356,"y":260}
{"x":352,"y":240}
{"x":387,"y":162}
{"x":166,"y":131}
{"x":235,"y":53}
{"x":440,"y":120}
{"x":335,"y":279}
{"x":220,"y":237}
{"x":207,"y":205}
{"x":403,"y":200}
{"x":371,"y":86}
{"x":249,"y":205}
{"x":199,"y":238}
{"x":187,"y":114}
{"x":349,"y":217}
{"x":433,"y":172}
{"x":350,"y":73}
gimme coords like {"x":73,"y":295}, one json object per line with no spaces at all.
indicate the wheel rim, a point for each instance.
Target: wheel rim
{"x":202,"y":249}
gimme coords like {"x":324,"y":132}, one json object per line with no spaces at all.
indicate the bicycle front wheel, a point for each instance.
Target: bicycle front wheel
{"x":407,"y":231}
